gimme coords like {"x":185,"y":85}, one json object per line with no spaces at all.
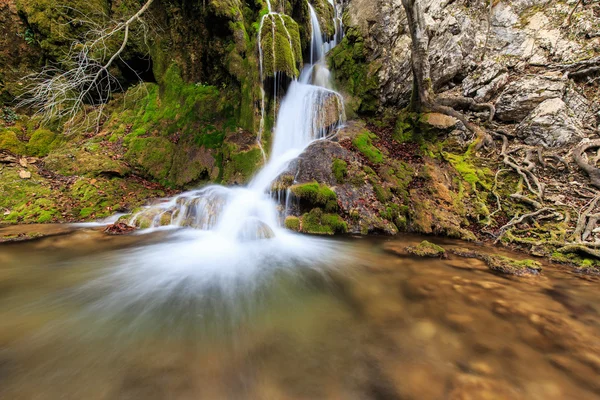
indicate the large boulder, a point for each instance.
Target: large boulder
{"x":551,"y":124}
{"x":520,"y":97}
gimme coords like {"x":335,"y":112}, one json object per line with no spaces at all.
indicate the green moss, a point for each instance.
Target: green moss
{"x":153,"y":154}
{"x":364,"y":143}
{"x":511,"y":266}
{"x":76,"y":160}
{"x":280,"y":40}
{"x":427,"y":249}
{"x":292,"y":223}
{"x":339,"y":168}
{"x":396,"y":214}
{"x":239,"y":166}
{"x":464,"y":165}
{"x":358,"y":77}
{"x":316,"y":195}
{"x":318,"y":223}
{"x":9,"y":141}
{"x":42,"y":141}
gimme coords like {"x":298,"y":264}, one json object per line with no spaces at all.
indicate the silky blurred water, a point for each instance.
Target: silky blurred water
{"x":173,"y":315}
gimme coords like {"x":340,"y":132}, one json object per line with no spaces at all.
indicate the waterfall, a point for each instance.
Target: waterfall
{"x":310,"y":111}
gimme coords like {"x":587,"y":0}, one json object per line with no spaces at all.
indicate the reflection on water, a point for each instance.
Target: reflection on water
{"x":169,"y":316}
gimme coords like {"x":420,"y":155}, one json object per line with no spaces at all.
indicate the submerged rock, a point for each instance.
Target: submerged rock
{"x":502,"y":264}
{"x":255,"y":229}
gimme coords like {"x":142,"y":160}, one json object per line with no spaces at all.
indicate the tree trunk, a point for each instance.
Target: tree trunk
{"x":423,"y":95}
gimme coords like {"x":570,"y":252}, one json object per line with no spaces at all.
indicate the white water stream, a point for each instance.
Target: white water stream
{"x":247,"y":213}
{"x":238,"y":243}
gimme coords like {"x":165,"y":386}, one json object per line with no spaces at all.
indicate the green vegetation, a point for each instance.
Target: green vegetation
{"x":292,"y":223}
{"x":9,"y":141}
{"x":349,"y":64}
{"x":281,"y":53}
{"x":239,"y":166}
{"x":339,"y":169}
{"x":318,"y":223}
{"x":427,"y":249}
{"x":364,"y":143}
{"x":316,"y":195}
{"x":42,"y":141}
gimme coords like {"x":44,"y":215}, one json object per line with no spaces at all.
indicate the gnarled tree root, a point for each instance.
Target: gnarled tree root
{"x":592,"y":172}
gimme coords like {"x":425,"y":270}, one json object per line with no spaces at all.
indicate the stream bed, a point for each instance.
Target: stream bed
{"x":85,"y":315}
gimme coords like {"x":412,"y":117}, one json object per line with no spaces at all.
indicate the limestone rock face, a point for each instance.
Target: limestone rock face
{"x":485,"y":81}
{"x":520,"y":97}
{"x":522,"y":33}
{"x":550,"y":124}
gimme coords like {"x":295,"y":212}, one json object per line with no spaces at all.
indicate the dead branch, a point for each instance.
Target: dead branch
{"x":489,"y":28}
{"x":84,"y":78}
{"x":568,"y":20}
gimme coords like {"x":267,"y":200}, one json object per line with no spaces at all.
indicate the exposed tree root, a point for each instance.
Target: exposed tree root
{"x":524,"y":199}
{"x":580,"y":249}
{"x":591,"y":170}
{"x":526,"y":173}
{"x":580,"y":69}
{"x":516,"y":220}
{"x":466,"y":103}
{"x":484,"y":139}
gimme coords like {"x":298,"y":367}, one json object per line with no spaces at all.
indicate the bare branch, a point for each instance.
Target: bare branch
{"x":84,"y":77}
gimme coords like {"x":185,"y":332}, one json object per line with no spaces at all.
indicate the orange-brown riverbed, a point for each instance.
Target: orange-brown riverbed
{"x":370,"y":326}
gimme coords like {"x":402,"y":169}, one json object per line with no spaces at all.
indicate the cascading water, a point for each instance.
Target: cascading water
{"x":238,"y":245}
{"x":309,"y":111}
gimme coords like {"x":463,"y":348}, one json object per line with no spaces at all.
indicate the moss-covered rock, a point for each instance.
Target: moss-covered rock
{"x":292,"y":223}
{"x":364,"y":143}
{"x":340,"y":170}
{"x":42,"y":141}
{"x":241,"y":157}
{"x":315,"y":195}
{"x":318,"y":223}
{"x":355,"y":74}
{"x":502,"y":264}
{"x":84,"y":161}
{"x":280,"y":44}
{"x":9,"y":141}
{"x":427,"y":249}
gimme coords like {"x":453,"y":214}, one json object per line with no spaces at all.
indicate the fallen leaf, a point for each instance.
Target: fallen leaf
{"x":23,"y":162}
{"x":93,"y":181}
{"x":24,"y":174}
{"x":7,"y":212}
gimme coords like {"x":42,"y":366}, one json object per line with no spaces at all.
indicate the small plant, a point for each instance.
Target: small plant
{"x":29,"y":36}
{"x":8,"y":115}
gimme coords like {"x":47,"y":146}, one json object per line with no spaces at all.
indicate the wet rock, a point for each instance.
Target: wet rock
{"x":511,"y":266}
{"x":550,"y":124}
{"x":255,"y":229}
{"x":502,"y":264}
{"x":427,"y":249}
{"x":521,"y":97}
{"x":119,"y":228}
